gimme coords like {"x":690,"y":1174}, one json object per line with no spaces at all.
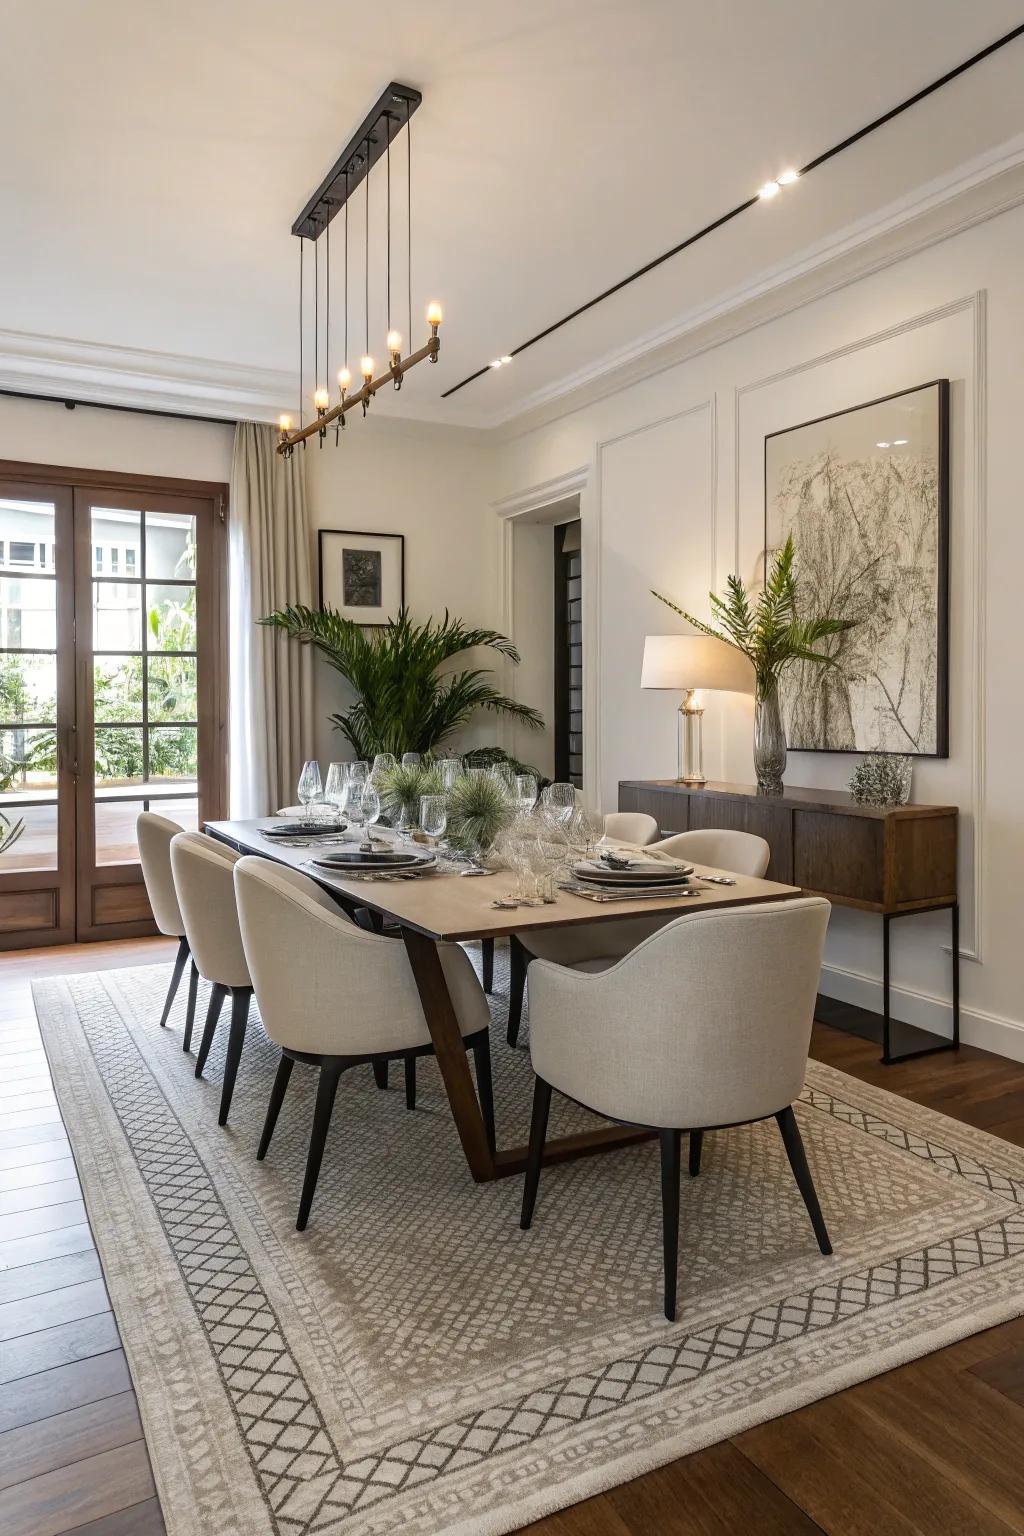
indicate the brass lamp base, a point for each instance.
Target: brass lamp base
{"x":690,"y":754}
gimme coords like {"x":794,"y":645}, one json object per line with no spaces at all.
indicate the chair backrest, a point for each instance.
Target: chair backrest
{"x":325,"y":985}
{"x":206,"y":895}
{"x":631,"y":827}
{"x":705,"y":1023}
{"x":154,"y":835}
{"x":740,"y":853}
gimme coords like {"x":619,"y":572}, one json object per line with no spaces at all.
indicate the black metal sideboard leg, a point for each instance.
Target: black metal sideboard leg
{"x":886,"y":1017}
{"x":888,"y":1059}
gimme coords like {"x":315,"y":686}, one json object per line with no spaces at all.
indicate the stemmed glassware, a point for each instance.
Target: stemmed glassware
{"x":560,"y":800}
{"x":310,"y":788}
{"x":411,"y":759}
{"x":352,"y":802}
{"x":433,"y":815}
{"x":450,"y":769}
{"x":369,"y":809}
{"x":334,"y":789}
{"x":383,"y":763}
{"x":526,"y":792}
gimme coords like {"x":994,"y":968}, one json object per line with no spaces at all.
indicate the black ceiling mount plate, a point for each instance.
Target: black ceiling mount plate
{"x":385,"y":119}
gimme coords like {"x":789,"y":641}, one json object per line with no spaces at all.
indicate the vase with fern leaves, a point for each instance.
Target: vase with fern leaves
{"x":407,"y":697}
{"x":769,"y":631}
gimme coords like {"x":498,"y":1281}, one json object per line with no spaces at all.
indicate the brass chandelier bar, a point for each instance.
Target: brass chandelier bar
{"x":371,"y":144}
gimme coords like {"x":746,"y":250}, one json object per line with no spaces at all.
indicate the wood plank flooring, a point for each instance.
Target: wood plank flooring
{"x":930,"y":1449}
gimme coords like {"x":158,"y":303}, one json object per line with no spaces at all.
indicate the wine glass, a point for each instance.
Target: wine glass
{"x":450,"y":769}
{"x":359,"y":770}
{"x":310,"y":787}
{"x":526,"y":791}
{"x":333,"y":789}
{"x":411,"y":759}
{"x":383,"y":763}
{"x":560,"y":799}
{"x":504,"y":774}
{"x":369,"y":809}
{"x":433,"y":815}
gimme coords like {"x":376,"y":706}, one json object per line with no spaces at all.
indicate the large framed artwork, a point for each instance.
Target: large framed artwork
{"x":362,"y":575}
{"x":865,"y":494}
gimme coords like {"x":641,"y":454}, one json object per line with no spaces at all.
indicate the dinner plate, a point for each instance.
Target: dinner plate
{"x":648,"y":873}
{"x":363,"y":862}
{"x":296,"y":828}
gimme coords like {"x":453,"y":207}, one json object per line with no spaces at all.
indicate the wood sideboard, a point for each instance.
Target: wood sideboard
{"x":892,"y":860}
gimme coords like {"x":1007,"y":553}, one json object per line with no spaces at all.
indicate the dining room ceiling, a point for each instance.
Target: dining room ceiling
{"x":157,"y":154}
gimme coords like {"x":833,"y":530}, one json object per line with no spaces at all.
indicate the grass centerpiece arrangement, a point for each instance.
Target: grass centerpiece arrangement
{"x":401,"y":788}
{"x":769,"y":632}
{"x":479,"y":810}
{"x":405,"y":702}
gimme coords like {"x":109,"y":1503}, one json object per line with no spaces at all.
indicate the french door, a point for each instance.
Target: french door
{"x":112,"y":697}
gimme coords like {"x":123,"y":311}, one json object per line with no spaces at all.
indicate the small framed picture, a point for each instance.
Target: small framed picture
{"x":362,"y":575}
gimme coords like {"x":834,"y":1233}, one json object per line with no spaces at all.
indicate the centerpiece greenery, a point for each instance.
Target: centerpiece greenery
{"x":769,"y":631}
{"x":405,"y":702}
{"x":478,"y":810}
{"x":401,"y":789}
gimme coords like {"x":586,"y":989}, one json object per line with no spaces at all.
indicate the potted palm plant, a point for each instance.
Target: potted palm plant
{"x":770,"y":633}
{"x":405,"y":702}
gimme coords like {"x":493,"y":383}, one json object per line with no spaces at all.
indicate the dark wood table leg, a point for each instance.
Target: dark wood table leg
{"x":450,"y":1052}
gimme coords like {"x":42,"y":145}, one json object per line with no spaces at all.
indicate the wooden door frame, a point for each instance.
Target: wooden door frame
{"x":212,"y":621}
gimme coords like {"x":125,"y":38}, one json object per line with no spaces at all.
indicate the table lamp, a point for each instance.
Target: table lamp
{"x":686,"y":663}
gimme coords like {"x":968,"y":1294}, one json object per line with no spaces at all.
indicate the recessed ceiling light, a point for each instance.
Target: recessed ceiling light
{"x":900,"y":442}
{"x":883,"y":445}
{"x":770,"y":189}
{"x":787,"y":178}
{"x":507,"y":358}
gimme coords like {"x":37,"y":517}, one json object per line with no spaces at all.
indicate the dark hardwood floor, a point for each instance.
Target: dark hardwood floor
{"x":932,"y":1448}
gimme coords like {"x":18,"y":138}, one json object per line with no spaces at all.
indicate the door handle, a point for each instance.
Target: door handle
{"x":67,"y":749}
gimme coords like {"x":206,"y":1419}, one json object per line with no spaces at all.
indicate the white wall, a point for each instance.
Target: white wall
{"x":44,"y":432}
{"x":433,"y":485}
{"x":674,"y":499}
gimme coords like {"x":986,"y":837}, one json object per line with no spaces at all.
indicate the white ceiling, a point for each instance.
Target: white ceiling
{"x":156,"y":154}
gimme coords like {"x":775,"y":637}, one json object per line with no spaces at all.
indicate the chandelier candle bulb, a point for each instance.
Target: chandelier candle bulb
{"x":434,"y":315}
{"x":787,"y":178}
{"x":344,"y":379}
{"x":321,"y":400}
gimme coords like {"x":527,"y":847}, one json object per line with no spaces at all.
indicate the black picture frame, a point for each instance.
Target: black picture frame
{"x":366,"y":536}
{"x":942,"y":387}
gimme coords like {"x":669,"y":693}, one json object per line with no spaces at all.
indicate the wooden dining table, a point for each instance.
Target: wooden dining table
{"x":435,"y":908}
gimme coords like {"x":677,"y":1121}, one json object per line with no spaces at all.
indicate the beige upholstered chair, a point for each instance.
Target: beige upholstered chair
{"x":631,"y":827}
{"x":154,"y":835}
{"x":206,"y":894}
{"x":705,"y":1025}
{"x":739,"y":853}
{"x":335,"y":996}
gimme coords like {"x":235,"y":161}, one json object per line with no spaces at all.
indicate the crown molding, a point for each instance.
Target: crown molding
{"x":57,"y":366}
{"x":972,"y":194}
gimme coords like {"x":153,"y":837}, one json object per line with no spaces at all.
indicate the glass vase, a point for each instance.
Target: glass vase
{"x":769,"y":741}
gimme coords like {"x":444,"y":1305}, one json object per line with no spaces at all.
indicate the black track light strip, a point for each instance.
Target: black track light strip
{"x":734,"y":213}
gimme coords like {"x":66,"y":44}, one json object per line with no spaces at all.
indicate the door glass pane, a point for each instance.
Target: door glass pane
{"x":27,"y":535}
{"x":118,"y":755}
{"x":184,"y":812}
{"x":170,"y":546}
{"x":173,"y":754}
{"x":117,"y":688}
{"x":28,"y":836}
{"x":28,"y":689}
{"x":116,"y":538}
{"x":172,"y":688}
{"x":170,"y":618}
{"x":28,"y":613}
{"x":28,"y":762}
{"x":116,"y":616}
{"x":116,"y":842}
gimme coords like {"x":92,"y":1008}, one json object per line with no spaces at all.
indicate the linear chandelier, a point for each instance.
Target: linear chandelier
{"x":370,"y":144}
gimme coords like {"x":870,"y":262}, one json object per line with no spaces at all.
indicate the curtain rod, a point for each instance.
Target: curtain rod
{"x":99,"y":405}
{"x":749,"y":202}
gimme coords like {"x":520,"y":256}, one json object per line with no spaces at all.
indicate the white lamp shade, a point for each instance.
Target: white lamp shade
{"x":680,"y":662}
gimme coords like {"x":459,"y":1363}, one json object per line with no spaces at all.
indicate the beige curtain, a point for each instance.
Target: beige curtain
{"x":271,"y":677}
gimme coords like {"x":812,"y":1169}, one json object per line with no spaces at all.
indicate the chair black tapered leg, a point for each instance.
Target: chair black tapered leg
{"x":380,"y":1073}
{"x":190,"y":1012}
{"x":538,"y":1132}
{"x":410,"y":1082}
{"x":487,"y":965}
{"x":801,"y":1172}
{"x":327,"y":1087}
{"x":179,"y":966}
{"x":484,"y":1087}
{"x":277,"y":1093}
{"x":516,"y":988}
{"x":236,"y":1039}
{"x":217,"y":996}
{"x":670,"y":1215}
{"x":696,"y":1147}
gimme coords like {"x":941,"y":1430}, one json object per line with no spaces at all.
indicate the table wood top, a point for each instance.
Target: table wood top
{"x":458,"y":907}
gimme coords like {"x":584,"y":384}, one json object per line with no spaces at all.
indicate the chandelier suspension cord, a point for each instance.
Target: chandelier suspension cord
{"x":387,"y":155}
{"x":408,"y":210}
{"x":344,"y":361}
{"x":316,"y":315}
{"x":366,"y":258}
{"x":327,"y":315}
{"x":302,"y":264}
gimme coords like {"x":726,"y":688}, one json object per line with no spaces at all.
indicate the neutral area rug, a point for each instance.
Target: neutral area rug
{"x":413,"y":1362}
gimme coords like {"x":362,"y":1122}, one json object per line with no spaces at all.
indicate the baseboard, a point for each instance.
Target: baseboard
{"x":988,"y":1031}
